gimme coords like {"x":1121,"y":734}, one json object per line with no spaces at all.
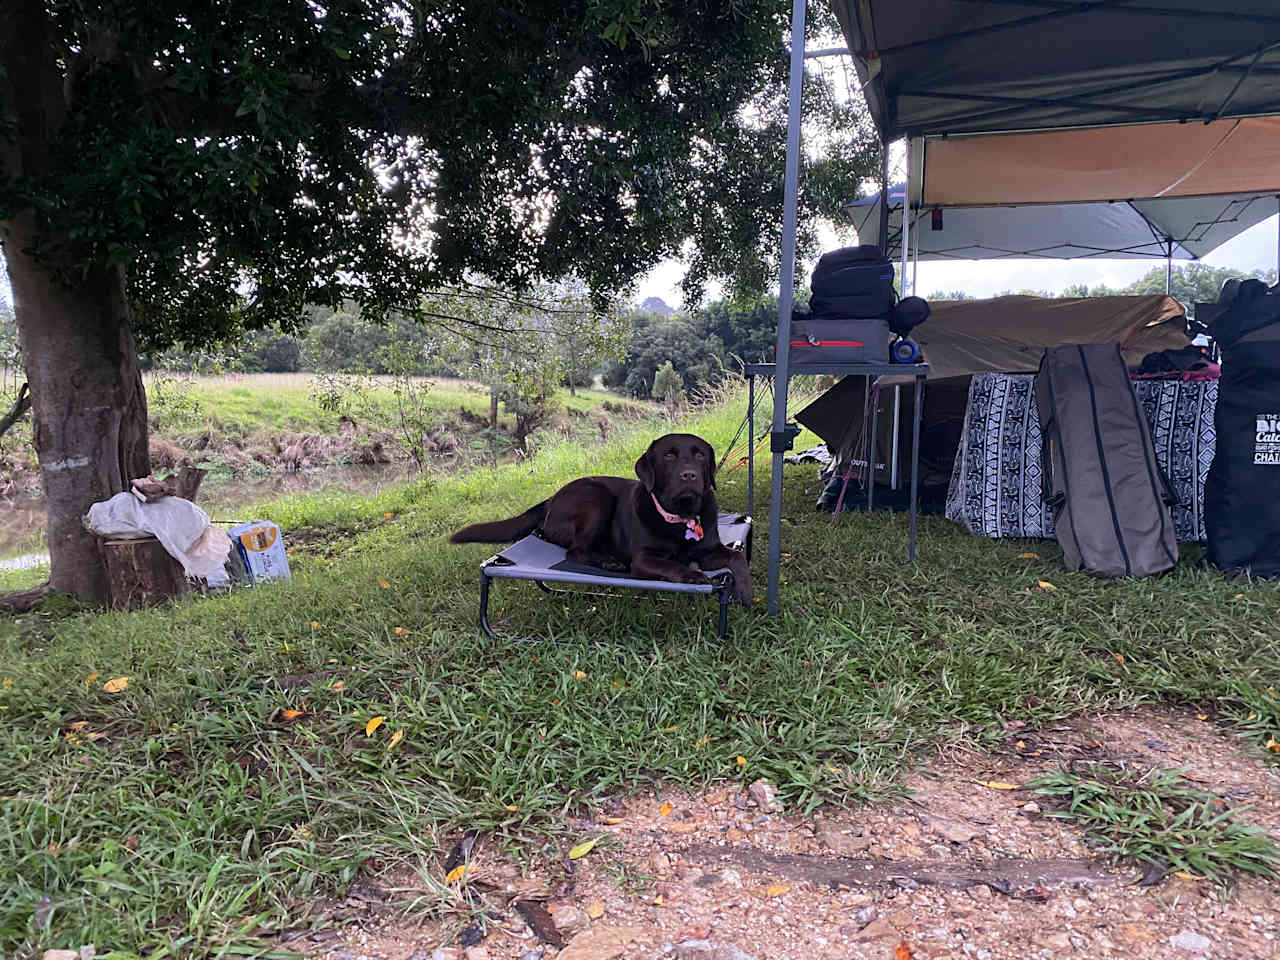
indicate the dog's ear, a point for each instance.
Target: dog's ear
{"x":644,"y":469}
{"x":711,"y":464}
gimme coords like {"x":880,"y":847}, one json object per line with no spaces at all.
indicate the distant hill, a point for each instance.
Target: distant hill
{"x":657,"y":305}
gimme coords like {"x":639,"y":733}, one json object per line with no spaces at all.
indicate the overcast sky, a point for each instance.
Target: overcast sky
{"x":1255,"y":249}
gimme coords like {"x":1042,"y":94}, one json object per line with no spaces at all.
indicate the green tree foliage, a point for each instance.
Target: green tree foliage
{"x":668,"y":386}
{"x":694,"y":353}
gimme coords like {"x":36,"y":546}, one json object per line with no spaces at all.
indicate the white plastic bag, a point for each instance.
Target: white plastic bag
{"x":182,"y":528}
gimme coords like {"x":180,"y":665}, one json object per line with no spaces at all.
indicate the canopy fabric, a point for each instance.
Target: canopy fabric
{"x":1122,"y":163}
{"x":932,"y":67}
{"x":1009,"y":334}
{"x":1185,"y":228}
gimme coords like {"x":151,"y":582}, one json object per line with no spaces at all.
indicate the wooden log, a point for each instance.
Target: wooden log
{"x":140,"y":573}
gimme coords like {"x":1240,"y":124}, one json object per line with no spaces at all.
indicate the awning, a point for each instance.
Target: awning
{"x":933,"y":67}
{"x":1184,"y":228}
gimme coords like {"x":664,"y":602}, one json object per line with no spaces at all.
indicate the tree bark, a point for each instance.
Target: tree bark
{"x":493,"y":408}
{"x":88,"y":402}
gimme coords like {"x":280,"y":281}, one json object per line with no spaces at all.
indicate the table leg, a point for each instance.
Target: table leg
{"x":871,"y":443}
{"x":915,"y":466}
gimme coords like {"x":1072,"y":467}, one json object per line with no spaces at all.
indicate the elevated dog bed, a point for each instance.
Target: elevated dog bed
{"x":535,"y":559}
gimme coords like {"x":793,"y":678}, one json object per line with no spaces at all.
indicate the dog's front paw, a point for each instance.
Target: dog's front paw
{"x":690,"y":575}
{"x":744,"y":591}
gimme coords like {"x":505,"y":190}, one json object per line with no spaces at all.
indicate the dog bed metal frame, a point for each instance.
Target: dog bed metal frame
{"x":542,"y":562}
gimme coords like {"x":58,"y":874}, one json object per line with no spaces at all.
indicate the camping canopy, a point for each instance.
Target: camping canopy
{"x":1181,"y":228}
{"x":984,"y":66}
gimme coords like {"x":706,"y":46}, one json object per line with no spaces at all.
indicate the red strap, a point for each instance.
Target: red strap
{"x":828,"y":343}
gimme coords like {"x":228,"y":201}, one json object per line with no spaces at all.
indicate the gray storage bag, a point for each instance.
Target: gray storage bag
{"x":1109,"y":499}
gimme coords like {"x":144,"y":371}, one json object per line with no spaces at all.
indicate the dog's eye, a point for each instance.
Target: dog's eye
{"x":699,"y":454}
{"x":669,"y":455}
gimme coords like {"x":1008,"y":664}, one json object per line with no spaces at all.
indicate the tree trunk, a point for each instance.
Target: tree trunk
{"x":493,"y":408}
{"x":89,"y":406}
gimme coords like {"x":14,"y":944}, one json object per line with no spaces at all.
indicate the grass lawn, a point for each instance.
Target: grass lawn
{"x":185,"y":813}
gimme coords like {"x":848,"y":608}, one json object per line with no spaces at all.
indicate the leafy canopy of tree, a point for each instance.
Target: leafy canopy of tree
{"x":251,"y":158}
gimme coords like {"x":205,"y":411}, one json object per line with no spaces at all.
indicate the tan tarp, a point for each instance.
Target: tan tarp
{"x":1008,"y":334}
{"x":1113,"y":163}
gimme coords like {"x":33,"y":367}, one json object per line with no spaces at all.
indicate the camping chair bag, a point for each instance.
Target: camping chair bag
{"x":1110,"y":503}
{"x":853,"y":282}
{"x":1242,"y":493}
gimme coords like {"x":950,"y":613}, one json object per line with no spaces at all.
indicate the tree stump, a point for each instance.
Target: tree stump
{"x":140,"y":573}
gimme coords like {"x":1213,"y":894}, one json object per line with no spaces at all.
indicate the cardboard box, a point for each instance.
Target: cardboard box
{"x":261,"y":550}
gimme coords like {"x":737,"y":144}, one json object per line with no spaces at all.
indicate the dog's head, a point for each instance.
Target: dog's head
{"x":680,"y":470}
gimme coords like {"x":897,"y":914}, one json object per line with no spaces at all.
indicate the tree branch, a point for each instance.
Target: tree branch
{"x":19,"y":410}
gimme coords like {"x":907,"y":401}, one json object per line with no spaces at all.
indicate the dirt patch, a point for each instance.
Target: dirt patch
{"x":959,"y":869}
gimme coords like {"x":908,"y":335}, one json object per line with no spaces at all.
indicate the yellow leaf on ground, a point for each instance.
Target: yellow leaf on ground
{"x":401,"y":632}
{"x":1045,"y":585}
{"x":96,"y":735}
{"x":78,"y":725}
{"x":1273,"y":746}
{"x":1238,"y":596}
{"x":665,"y":809}
{"x":702,"y":741}
{"x":387,"y":515}
{"x":777,"y":889}
{"x":383,"y":584}
{"x":579,"y":675}
{"x":670,"y":729}
{"x":337,"y":685}
{"x":1186,"y":876}
{"x":903,"y":952}
{"x":290,"y":714}
{"x":116,"y":685}
{"x":582,"y":849}
{"x":613,"y":821}
{"x":596,"y":910}
{"x":395,"y":738}
{"x":1021,"y":745}
{"x":456,"y":874}
{"x":998,"y":785}
{"x":89,"y":679}
{"x":1202,"y":716}
{"x":1028,"y":556}
{"x":1119,"y":657}
{"x":315,"y":624}
{"x":742,"y":762}
{"x":373,"y":725}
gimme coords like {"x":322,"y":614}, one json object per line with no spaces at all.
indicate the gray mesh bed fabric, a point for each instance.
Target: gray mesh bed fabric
{"x":535,"y":559}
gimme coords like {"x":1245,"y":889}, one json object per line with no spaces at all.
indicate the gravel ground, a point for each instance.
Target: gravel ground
{"x":958,"y":869}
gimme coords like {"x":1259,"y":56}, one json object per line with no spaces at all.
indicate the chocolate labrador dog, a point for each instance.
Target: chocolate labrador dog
{"x":655,"y":527}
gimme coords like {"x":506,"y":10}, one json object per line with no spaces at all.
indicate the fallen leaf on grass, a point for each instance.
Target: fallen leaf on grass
{"x":670,"y":729}
{"x":78,"y":725}
{"x":998,"y":785}
{"x":742,"y":762}
{"x":1119,"y":657}
{"x":511,"y":807}
{"x":315,"y":624}
{"x":903,"y":952}
{"x":1238,"y":596}
{"x":613,"y":821}
{"x":292,"y":714}
{"x":387,"y":515}
{"x":89,"y":679}
{"x":337,"y":685}
{"x":1186,"y":876}
{"x":1202,"y":716}
{"x":383,"y":584}
{"x":582,"y":849}
{"x":665,"y":809}
{"x":702,"y":741}
{"x":579,"y":675}
{"x":1273,"y":746}
{"x":395,"y":738}
{"x":456,"y":874}
{"x":1045,"y":585}
{"x":373,"y":725}
{"x":596,"y":910}
{"x":96,"y":735}
{"x":777,"y":889}
{"x":116,"y":685}
{"x":1028,"y":556}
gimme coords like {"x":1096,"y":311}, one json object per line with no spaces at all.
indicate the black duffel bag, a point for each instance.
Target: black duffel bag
{"x":853,"y":282}
{"x":1241,"y":509}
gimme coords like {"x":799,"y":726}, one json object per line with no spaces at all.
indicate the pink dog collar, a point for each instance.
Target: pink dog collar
{"x":693,"y":529}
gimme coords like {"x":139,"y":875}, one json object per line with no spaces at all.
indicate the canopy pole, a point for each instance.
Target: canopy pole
{"x":884,"y":199}
{"x":906,"y":220}
{"x":1168,"y":268}
{"x":778,"y":439}
{"x":1278,"y":239}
